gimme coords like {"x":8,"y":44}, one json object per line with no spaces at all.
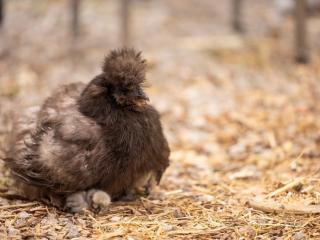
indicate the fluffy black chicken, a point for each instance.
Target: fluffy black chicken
{"x":89,"y":144}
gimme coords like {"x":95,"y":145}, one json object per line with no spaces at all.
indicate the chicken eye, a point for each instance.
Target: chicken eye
{"x":130,"y":88}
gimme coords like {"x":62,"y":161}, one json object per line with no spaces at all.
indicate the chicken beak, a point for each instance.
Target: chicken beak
{"x":141,"y":100}
{"x":143,"y":97}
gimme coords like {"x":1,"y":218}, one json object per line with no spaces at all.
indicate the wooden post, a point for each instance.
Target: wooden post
{"x":301,"y":32}
{"x":1,"y":13}
{"x":125,"y":18}
{"x":75,"y":7}
{"x":237,"y":23}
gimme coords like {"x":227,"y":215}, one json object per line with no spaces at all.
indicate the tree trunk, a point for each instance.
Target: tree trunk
{"x":237,"y":23}
{"x":75,"y":5}
{"x":1,"y":12}
{"x":301,"y":32}
{"x":125,"y":18}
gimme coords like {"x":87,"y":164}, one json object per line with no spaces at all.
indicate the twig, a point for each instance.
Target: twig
{"x":33,"y":235}
{"x":288,"y":186}
{"x":19,"y":205}
{"x":271,"y":206}
{"x":173,"y":192}
{"x":38,"y":208}
{"x":8,"y":216}
{"x":12,"y":196}
{"x":111,"y":235}
{"x":196,"y":232}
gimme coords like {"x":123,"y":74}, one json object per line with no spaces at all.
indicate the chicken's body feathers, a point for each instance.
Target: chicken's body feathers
{"x":89,"y":137}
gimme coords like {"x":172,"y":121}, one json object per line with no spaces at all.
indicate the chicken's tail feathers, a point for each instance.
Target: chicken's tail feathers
{"x":124,"y":65}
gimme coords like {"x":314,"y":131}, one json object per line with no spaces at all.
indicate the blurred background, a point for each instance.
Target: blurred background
{"x":227,"y":45}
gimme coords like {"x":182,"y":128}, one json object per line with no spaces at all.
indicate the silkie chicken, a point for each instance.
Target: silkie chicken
{"x":90,"y":144}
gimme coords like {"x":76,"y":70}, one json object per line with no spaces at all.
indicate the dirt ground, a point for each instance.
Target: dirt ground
{"x":240,"y":116}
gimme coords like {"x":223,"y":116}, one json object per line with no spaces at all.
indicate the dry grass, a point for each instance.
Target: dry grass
{"x":251,"y":173}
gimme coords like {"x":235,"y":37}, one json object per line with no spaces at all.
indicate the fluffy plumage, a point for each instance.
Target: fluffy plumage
{"x":87,"y":140}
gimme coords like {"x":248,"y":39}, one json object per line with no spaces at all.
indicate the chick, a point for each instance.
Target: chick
{"x":90,"y":144}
